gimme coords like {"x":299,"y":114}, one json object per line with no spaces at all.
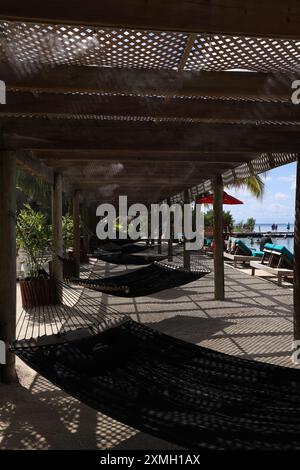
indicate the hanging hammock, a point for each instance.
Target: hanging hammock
{"x":148,"y":280}
{"x":190,"y":395}
{"x":127,"y":258}
{"x":127,"y":248}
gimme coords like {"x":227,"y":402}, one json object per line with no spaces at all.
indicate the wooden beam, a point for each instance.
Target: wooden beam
{"x":184,"y":109}
{"x":32,"y":165}
{"x":85,"y":225}
{"x":186,"y":252}
{"x":297,"y":259}
{"x":187,"y":50}
{"x":137,"y":169}
{"x":171,"y":237}
{"x":218,"y":238}
{"x":268,"y":18}
{"x":195,"y":157}
{"x":167,"y":83}
{"x":8,"y":260}
{"x":42,"y":133}
{"x":139,"y":181}
{"x":57,"y":240}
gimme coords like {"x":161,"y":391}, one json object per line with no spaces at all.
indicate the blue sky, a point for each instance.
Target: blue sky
{"x":278,"y":204}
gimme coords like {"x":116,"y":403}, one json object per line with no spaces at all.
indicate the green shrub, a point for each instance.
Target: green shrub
{"x":33,"y":236}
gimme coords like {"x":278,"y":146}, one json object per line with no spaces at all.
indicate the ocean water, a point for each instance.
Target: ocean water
{"x":268,"y":227}
{"x":254,"y":242}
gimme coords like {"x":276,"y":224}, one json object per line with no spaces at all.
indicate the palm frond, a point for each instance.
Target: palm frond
{"x":254,"y":184}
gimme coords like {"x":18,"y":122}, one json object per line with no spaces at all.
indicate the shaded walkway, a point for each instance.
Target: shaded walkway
{"x":255,"y":321}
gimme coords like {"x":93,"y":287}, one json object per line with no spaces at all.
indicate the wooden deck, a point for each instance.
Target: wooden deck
{"x":254,"y":322}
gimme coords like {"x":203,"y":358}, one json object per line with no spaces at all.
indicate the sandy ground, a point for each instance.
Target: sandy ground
{"x":255,"y":321}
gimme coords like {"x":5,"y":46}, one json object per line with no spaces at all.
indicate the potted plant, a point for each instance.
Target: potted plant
{"x":33,"y":236}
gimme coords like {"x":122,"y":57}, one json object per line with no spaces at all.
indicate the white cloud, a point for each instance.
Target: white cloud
{"x":288,"y":179}
{"x":281,"y":196}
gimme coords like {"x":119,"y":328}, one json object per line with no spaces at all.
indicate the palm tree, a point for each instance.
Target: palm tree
{"x":254,"y":184}
{"x":36,"y":192}
{"x":33,"y":190}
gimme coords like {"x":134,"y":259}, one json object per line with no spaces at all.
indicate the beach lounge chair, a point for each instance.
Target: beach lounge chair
{"x":242,"y":253}
{"x":277,"y":260}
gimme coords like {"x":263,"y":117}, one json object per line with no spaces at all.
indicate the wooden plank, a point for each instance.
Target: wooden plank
{"x":134,"y":168}
{"x":76,"y":232}
{"x":168,"y":83}
{"x":297,"y":259}
{"x":218,"y":239}
{"x":32,"y":165}
{"x":186,"y":252}
{"x":57,"y":239}
{"x":7,"y":260}
{"x":195,"y":157}
{"x":268,"y":18}
{"x":19,"y":133}
{"x":146,"y":180}
{"x":83,"y":106}
{"x":171,"y":237}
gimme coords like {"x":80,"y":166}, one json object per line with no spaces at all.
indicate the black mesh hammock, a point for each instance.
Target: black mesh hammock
{"x":128,"y":248}
{"x":148,"y":280}
{"x":127,"y":258}
{"x":193,"y":396}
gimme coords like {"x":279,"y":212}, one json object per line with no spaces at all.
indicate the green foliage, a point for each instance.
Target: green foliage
{"x":254,"y":184}
{"x":67,"y":231}
{"x":250,"y":224}
{"x":33,"y":236}
{"x":33,"y":190}
{"x":227,"y":219}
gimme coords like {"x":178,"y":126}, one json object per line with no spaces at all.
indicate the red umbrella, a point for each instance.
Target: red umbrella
{"x":227,"y":199}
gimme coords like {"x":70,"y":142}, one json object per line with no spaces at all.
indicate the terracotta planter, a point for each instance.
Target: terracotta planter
{"x":38,"y":292}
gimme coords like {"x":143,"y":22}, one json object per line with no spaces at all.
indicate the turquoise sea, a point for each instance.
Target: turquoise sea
{"x":254,"y":242}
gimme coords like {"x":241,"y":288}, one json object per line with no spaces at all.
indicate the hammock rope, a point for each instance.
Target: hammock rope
{"x":148,"y":280}
{"x":128,"y":258}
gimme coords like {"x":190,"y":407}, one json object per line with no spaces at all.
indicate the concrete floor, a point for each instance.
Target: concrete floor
{"x":255,"y":321}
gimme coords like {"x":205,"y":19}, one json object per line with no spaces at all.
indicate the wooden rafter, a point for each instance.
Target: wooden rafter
{"x":70,"y":106}
{"x":254,"y":17}
{"x":18,"y":133}
{"x":75,"y":79}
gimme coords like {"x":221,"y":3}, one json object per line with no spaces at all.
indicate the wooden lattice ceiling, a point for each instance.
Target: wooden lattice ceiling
{"x":125,"y":107}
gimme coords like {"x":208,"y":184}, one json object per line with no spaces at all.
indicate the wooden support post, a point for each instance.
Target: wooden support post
{"x":57,"y":238}
{"x":186,"y":253}
{"x":86,"y":238}
{"x":171,"y":236}
{"x":7,"y":260}
{"x":148,"y":241}
{"x":152,"y":240}
{"x":218,"y":238}
{"x":159,"y":233}
{"x":76,"y":233}
{"x":297,"y":259}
